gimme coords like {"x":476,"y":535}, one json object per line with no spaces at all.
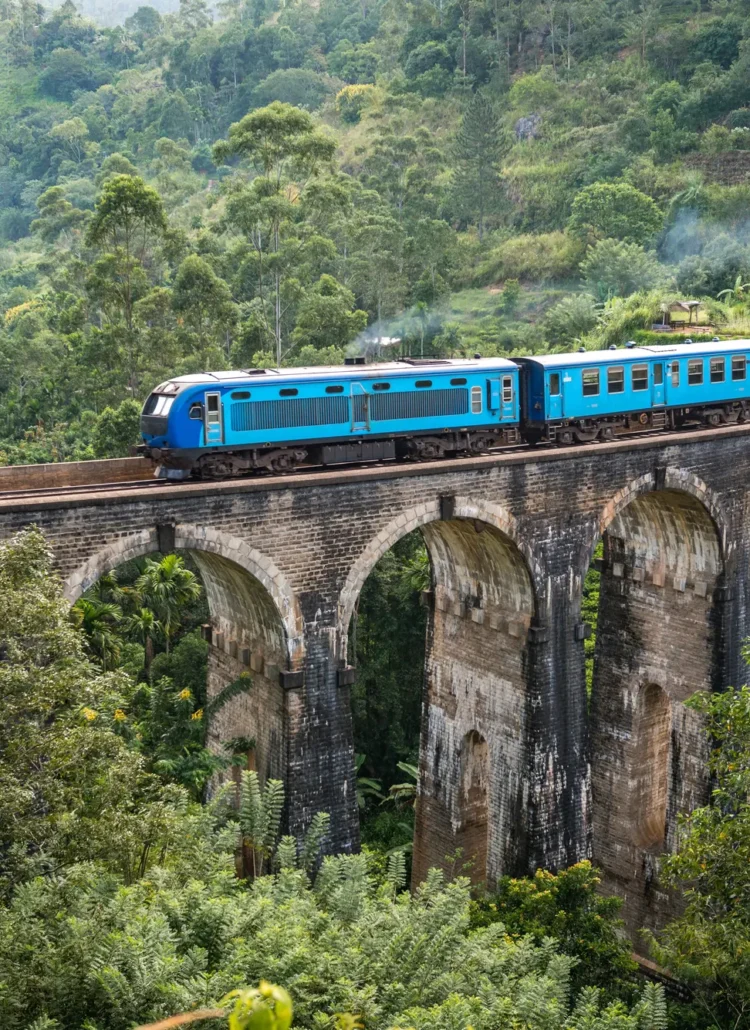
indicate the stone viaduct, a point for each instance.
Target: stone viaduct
{"x":518,"y":766}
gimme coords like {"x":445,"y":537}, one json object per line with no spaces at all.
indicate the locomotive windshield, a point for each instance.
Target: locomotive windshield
{"x":157,"y":404}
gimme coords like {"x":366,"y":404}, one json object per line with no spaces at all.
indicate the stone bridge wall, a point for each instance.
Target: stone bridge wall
{"x":514,"y":767}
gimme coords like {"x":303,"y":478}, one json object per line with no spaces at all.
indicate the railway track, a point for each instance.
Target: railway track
{"x":328,"y":472}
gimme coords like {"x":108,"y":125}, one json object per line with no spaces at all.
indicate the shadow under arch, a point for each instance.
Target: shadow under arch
{"x":256,"y":628}
{"x":482,"y":603}
{"x":659,"y":640}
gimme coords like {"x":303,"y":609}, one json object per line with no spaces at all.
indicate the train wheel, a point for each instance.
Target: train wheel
{"x":585,"y":435}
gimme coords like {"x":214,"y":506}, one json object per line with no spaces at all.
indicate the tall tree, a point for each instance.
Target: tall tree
{"x":128,"y":218}
{"x":477,"y":150}
{"x":286,"y":150}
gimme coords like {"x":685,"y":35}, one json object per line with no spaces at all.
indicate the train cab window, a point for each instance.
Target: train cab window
{"x":695,"y":372}
{"x":288,"y":393}
{"x":163,"y":405}
{"x":590,"y":382}
{"x":658,"y":374}
{"x":507,"y":389}
{"x":196,"y":412}
{"x":615,"y":379}
{"x":458,"y":382}
{"x":422,"y":384}
{"x":739,"y":367}
{"x":639,"y":377}
{"x":675,"y":373}
{"x":476,"y":400}
{"x":241,"y":395}
{"x":334,"y":389}
{"x":716,"y":370}
{"x":381,"y":386}
{"x":554,"y":384}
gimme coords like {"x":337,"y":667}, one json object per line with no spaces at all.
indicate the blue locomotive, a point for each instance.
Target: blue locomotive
{"x":223,"y":424}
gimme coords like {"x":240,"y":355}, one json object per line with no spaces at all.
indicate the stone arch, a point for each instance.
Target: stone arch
{"x":482,"y":604}
{"x":671,"y":479}
{"x":487,"y":512}
{"x":256,"y":629}
{"x":658,"y":641}
{"x":197,"y":539}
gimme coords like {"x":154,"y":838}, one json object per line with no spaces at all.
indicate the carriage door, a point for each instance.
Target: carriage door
{"x":657,"y":384}
{"x":360,"y":400}
{"x":508,"y":398}
{"x":554,"y":396}
{"x":213,"y":426}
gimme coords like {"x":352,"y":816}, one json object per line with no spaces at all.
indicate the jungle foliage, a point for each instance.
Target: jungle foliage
{"x":269,"y":182}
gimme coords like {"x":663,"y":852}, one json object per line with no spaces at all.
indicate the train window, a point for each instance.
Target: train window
{"x":421,"y":384}
{"x":590,"y":382}
{"x":739,"y":367}
{"x":615,"y":380}
{"x":554,"y":384}
{"x":658,"y":374}
{"x":213,"y":412}
{"x":458,"y":382}
{"x":196,"y":411}
{"x":675,"y":373}
{"x":695,"y":371}
{"x":507,"y":389}
{"x":163,"y":405}
{"x":241,"y":395}
{"x":639,"y":377}
{"x":334,"y":389}
{"x":716,"y":370}
{"x":288,"y":393}
{"x":381,"y":386}
{"x":476,"y":400}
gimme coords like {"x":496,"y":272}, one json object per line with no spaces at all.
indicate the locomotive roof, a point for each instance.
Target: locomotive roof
{"x":616,"y":357}
{"x":416,"y":366}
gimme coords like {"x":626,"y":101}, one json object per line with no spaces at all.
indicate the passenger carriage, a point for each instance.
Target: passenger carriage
{"x":590,"y":395}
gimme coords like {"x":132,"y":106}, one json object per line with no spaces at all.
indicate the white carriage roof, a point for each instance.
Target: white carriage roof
{"x":377,"y":370}
{"x":616,"y":357}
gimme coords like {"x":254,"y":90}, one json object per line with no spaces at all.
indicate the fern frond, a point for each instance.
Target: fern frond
{"x":273,"y":804}
{"x":252,"y":814}
{"x":313,"y":841}
{"x":396,"y":871}
{"x":286,"y":853}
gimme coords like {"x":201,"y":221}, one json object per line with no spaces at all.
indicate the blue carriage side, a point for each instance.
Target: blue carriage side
{"x":228,"y":423}
{"x":591,"y":395}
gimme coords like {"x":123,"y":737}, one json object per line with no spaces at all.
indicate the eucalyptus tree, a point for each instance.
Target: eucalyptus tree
{"x":286,"y":152}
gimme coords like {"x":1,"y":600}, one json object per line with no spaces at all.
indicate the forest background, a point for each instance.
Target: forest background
{"x":265,"y":181}
{"x":466,"y":176}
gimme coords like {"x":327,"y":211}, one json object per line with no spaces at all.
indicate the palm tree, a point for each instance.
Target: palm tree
{"x":99,"y":620}
{"x":145,"y":627}
{"x":166,"y":587}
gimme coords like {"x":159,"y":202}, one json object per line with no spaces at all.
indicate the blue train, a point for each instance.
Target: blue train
{"x":223,"y":424}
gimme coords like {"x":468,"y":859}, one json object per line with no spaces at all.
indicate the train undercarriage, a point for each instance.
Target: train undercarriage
{"x":588,"y":430}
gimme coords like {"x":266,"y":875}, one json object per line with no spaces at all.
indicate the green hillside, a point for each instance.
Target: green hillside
{"x":470,"y":176}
